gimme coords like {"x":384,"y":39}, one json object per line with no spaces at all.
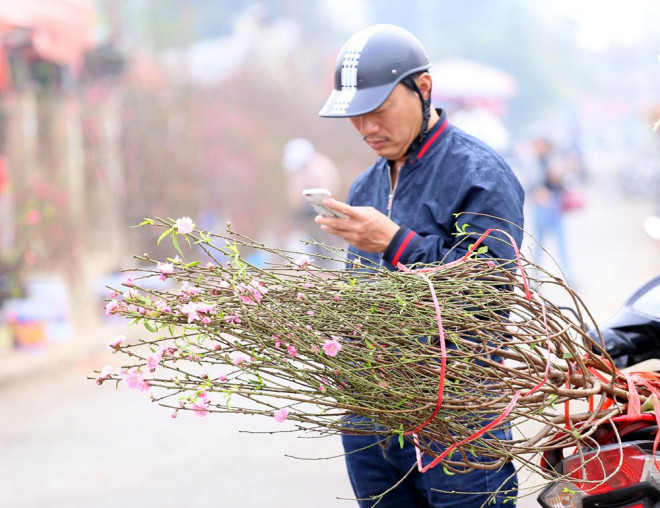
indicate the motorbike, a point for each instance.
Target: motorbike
{"x":621,"y":469}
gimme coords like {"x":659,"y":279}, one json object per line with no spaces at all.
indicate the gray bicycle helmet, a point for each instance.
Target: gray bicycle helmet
{"x":371,"y":63}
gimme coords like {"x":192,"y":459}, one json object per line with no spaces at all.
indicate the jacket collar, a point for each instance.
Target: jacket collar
{"x":432,"y":137}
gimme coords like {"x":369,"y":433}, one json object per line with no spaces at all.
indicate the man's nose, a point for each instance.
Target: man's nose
{"x":366,"y":125}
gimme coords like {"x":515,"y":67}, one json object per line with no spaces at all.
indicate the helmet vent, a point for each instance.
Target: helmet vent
{"x":349,"y":69}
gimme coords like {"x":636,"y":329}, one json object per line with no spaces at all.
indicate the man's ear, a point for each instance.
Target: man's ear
{"x":424,"y":83}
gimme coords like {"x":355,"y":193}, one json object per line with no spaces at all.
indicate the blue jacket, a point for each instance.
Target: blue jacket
{"x":450,"y":173}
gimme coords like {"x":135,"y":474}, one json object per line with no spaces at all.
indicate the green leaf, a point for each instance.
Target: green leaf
{"x":647,"y":407}
{"x":146,"y":222}
{"x":233,"y":248}
{"x":194,"y":263}
{"x":175,"y":242}
{"x":164,"y":235}
{"x":149,"y":327}
{"x":483,"y":249}
{"x":447,"y":471}
{"x":567,"y":356}
{"x":401,"y":441}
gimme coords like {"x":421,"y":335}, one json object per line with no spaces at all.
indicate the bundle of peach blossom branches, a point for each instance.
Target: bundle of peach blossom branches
{"x":431,"y":354}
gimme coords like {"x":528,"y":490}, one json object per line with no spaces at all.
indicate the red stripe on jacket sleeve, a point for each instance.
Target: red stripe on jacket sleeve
{"x":402,"y":247}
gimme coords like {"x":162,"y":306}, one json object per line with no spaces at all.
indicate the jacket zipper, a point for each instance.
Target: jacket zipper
{"x":390,"y":199}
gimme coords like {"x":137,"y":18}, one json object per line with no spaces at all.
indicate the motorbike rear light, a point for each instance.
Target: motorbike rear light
{"x":596,"y":472}
{"x":593,"y":472}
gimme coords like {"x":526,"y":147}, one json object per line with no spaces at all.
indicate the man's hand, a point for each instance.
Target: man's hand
{"x":364,"y":227}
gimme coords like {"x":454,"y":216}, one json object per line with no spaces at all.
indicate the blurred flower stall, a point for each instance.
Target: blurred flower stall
{"x":101,"y":125}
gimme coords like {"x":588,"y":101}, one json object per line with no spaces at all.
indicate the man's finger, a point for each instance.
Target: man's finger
{"x":332,"y":223}
{"x":338,"y":206}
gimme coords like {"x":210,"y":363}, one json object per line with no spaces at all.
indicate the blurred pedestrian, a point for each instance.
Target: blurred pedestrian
{"x":551,"y":199}
{"x":306,"y":168}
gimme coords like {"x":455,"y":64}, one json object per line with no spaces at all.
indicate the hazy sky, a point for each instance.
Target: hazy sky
{"x":604,"y":22}
{"x":599,"y":23}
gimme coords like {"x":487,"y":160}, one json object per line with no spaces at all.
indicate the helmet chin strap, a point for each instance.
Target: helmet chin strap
{"x":426,"y":114}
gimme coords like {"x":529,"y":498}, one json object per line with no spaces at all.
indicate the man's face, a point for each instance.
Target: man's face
{"x":390,"y":129}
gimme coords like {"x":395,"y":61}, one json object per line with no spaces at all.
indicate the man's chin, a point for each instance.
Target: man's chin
{"x":389,"y":154}
{"x":383,"y":151}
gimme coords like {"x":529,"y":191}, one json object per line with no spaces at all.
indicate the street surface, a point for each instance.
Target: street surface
{"x":68,"y":443}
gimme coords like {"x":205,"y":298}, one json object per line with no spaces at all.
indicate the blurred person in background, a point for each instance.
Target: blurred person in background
{"x":305,"y":168}
{"x":404,"y":210}
{"x":554,"y":193}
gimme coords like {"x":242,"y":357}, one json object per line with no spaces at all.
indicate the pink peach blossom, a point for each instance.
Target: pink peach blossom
{"x":281,"y":414}
{"x":162,"y":306}
{"x":190,"y":310}
{"x":201,"y":408}
{"x":111,"y":307}
{"x":131,"y":294}
{"x":107,"y":371}
{"x":303,"y":261}
{"x":232,"y":319}
{"x":135,"y":379}
{"x":205,"y":308}
{"x":240,"y":358}
{"x":116,"y":342}
{"x":165,"y":269}
{"x":292,"y":350}
{"x":247,"y":300}
{"x":154,"y":360}
{"x":184,"y":225}
{"x":331,"y":347}
{"x":189,"y":290}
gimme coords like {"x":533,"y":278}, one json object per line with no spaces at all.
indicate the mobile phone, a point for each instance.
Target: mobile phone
{"x":315,"y":196}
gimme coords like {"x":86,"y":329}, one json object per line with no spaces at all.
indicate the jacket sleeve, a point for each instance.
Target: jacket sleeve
{"x":492,"y":205}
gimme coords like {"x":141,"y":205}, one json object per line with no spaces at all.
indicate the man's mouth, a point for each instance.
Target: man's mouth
{"x":376,"y":144}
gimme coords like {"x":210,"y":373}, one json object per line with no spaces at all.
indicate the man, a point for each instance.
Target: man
{"x":431,"y":180}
